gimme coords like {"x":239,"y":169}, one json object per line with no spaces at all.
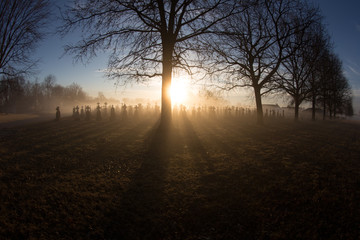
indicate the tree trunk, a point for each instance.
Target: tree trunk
{"x":165,"y":119}
{"x":324,"y":110}
{"x":297,"y":104}
{"x":258,"y":105}
{"x":313,"y":107}
{"x":334,"y":105}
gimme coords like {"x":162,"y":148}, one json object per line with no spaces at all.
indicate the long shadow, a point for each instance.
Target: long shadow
{"x":141,"y":213}
{"x":197,"y":150}
{"x":216,"y":211}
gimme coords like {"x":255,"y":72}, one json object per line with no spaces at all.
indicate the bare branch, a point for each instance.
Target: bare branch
{"x":21,"y":28}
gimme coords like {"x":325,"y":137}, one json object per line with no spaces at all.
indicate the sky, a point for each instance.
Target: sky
{"x":342,"y":18}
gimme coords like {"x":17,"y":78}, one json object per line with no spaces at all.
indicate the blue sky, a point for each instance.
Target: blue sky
{"x":343,"y":22}
{"x":342,"y":18}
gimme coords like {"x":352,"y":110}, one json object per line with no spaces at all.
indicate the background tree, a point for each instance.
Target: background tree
{"x":21,"y":28}
{"x":318,"y":48}
{"x":334,"y":91}
{"x":252,"y":45}
{"x":48,"y":85}
{"x":11,"y":93}
{"x":74,"y":93}
{"x":296,"y":73}
{"x":145,"y":38}
{"x":342,"y":97}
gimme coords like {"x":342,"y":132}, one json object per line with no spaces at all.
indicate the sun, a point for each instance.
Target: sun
{"x":178,"y":91}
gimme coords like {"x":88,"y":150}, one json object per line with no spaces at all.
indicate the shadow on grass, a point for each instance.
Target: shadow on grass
{"x":196,"y":147}
{"x":142,"y":210}
{"x":203,"y":207}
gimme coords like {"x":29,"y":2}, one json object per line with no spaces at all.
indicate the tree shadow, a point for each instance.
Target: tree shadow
{"x":203,"y":159}
{"x":141,"y":212}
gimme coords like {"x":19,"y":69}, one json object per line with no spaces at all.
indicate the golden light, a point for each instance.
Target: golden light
{"x":178,"y":91}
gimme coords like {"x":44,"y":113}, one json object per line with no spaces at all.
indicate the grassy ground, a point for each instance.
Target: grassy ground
{"x":204,"y":179}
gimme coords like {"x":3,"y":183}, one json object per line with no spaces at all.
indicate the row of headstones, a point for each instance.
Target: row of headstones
{"x":226,"y":111}
{"x":212,"y":111}
{"x":86,"y":114}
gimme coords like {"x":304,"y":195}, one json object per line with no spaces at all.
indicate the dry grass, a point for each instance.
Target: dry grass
{"x":218,"y":179}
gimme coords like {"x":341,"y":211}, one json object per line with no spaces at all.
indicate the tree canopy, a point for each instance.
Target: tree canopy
{"x":21,"y":27}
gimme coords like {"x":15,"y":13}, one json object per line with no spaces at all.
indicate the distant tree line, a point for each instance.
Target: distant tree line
{"x":18,"y":95}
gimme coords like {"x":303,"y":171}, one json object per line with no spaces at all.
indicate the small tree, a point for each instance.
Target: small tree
{"x":21,"y":25}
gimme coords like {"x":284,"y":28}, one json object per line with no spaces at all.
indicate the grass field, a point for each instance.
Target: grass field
{"x":203,"y":179}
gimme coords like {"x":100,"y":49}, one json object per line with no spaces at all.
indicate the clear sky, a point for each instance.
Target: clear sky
{"x":342,"y":18}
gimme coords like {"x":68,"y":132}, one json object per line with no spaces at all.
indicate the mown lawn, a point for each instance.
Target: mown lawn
{"x":203,"y":179}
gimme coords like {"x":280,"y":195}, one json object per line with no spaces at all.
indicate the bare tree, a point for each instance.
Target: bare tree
{"x":48,"y":85}
{"x":74,"y":93}
{"x":341,"y":96}
{"x":335,"y":92}
{"x":252,"y":45}
{"x":297,"y":70}
{"x":145,"y":38}
{"x":21,"y":25}
{"x":317,"y":50}
{"x":11,"y":92}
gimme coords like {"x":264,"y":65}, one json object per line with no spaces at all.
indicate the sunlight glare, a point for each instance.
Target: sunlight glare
{"x":178,"y":91}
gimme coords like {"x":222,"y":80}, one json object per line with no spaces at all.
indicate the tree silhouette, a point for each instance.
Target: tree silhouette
{"x":252,"y":45}
{"x":334,"y":91}
{"x":21,"y":24}
{"x":317,"y":49}
{"x":297,"y":71}
{"x":11,"y":92}
{"x":48,"y":85}
{"x":145,"y":39}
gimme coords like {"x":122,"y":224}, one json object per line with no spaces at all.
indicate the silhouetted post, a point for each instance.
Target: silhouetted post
{"x":136,"y":112}
{"x":98,"y":112}
{"x":105,"y":111}
{"x":57,"y":113}
{"x":77,"y":115}
{"x":73,"y":115}
{"x":124,"y":112}
{"x":112,"y":113}
{"x":82,"y":112}
{"x":87,"y":113}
